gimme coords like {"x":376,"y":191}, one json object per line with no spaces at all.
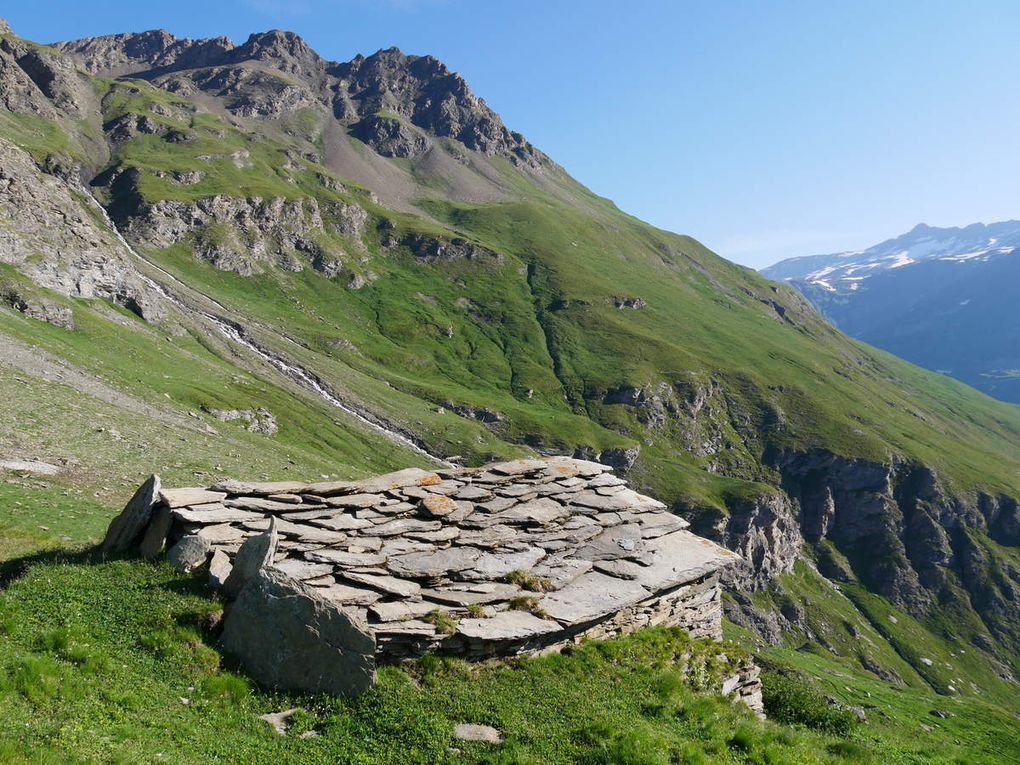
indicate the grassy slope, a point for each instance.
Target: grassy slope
{"x":109,"y":660}
{"x":847,"y":629}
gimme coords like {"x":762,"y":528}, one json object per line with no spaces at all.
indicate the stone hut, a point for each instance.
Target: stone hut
{"x":327,"y":580}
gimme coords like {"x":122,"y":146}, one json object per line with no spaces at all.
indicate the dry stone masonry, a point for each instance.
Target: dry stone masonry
{"x":327,"y":580}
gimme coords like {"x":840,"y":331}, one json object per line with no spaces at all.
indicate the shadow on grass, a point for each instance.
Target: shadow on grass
{"x":15,"y":568}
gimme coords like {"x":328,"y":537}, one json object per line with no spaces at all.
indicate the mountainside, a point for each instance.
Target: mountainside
{"x":943,"y":298}
{"x":202,"y":238}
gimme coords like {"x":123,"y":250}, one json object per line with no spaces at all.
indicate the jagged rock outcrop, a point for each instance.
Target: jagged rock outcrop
{"x":39,"y":308}
{"x":246,"y":234}
{"x":256,"y":420}
{"x":47,"y":233}
{"x":391,"y":137}
{"x":136,"y":52}
{"x":431,"y":249}
{"x":418,"y":89}
{"x":764,"y":529}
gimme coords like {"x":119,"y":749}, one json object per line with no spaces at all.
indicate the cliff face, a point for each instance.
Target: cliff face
{"x":50,"y":233}
{"x":893,"y":527}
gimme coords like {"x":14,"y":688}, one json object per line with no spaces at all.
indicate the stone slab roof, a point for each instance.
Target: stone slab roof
{"x":509,"y":551}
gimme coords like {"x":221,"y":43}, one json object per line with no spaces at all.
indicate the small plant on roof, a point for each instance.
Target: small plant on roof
{"x":444,"y":623}
{"x":527,"y":603}
{"x":529,"y":581}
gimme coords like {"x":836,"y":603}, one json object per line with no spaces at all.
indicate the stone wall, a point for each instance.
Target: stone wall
{"x":517,"y":557}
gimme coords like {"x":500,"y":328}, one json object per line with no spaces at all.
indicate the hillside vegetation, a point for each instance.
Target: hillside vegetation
{"x":365,"y":253}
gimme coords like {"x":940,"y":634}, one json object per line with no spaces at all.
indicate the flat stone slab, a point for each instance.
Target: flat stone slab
{"x":223,"y":532}
{"x":517,"y":467}
{"x":302,"y":569}
{"x":507,"y":625}
{"x":355,"y":500}
{"x":264,"y":505}
{"x":542,"y":511}
{"x":497,"y":565}
{"x":397,"y":480}
{"x":214,"y":513}
{"x":562,"y":571}
{"x":682,"y":557}
{"x":309,"y":533}
{"x":590,"y":597}
{"x":614,"y":543}
{"x":355,"y":596}
{"x":384,"y":583}
{"x":341,"y":523}
{"x":183,"y":497}
{"x":437,"y":505}
{"x":434,"y":564}
{"x":401,"y":611}
{"x":466,"y":597}
{"x":345,"y":559}
{"x":484,"y":733}
{"x":259,"y":489}
{"x":403,"y":525}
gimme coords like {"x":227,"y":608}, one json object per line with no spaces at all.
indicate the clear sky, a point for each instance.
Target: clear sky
{"x":764,"y":129}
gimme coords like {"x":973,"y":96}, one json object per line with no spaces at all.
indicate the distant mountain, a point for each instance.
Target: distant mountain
{"x":944,"y":298}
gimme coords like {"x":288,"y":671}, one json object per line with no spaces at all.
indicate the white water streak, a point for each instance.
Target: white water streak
{"x":235,"y":334}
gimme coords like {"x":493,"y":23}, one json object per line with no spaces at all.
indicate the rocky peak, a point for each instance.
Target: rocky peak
{"x":424,"y":90}
{"x":136,"y":52}
{"x":5,"y":28}
{"x":419,"y":89}
{"x":274,"y":44}
{"x":281,"y":50}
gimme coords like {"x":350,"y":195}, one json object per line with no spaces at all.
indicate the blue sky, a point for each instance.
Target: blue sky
{"x":765,"y":129}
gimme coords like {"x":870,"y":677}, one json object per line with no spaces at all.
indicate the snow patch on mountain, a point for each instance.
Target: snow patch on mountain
{"x":846,"y":272}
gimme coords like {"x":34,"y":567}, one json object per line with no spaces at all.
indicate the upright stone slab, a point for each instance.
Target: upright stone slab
{"x":289,"y":637}
{"x":154,"y":539}
{"x":254,"y":555}
{"x":127,"y":527}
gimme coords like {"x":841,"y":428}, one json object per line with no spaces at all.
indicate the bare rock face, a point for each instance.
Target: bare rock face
{"x":47,"y":234}
{"x":430,"y":96}
{"x":18,"y":93}
{"x":292,"y":638}
{"x":391,"y":137}
{"x":34,"y":307}
{"x":288,"y":75}
{"x":136,"y":52}
{"x":58,"y":79}
{"x":245,"y":234}
{"x":765,"y":530}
